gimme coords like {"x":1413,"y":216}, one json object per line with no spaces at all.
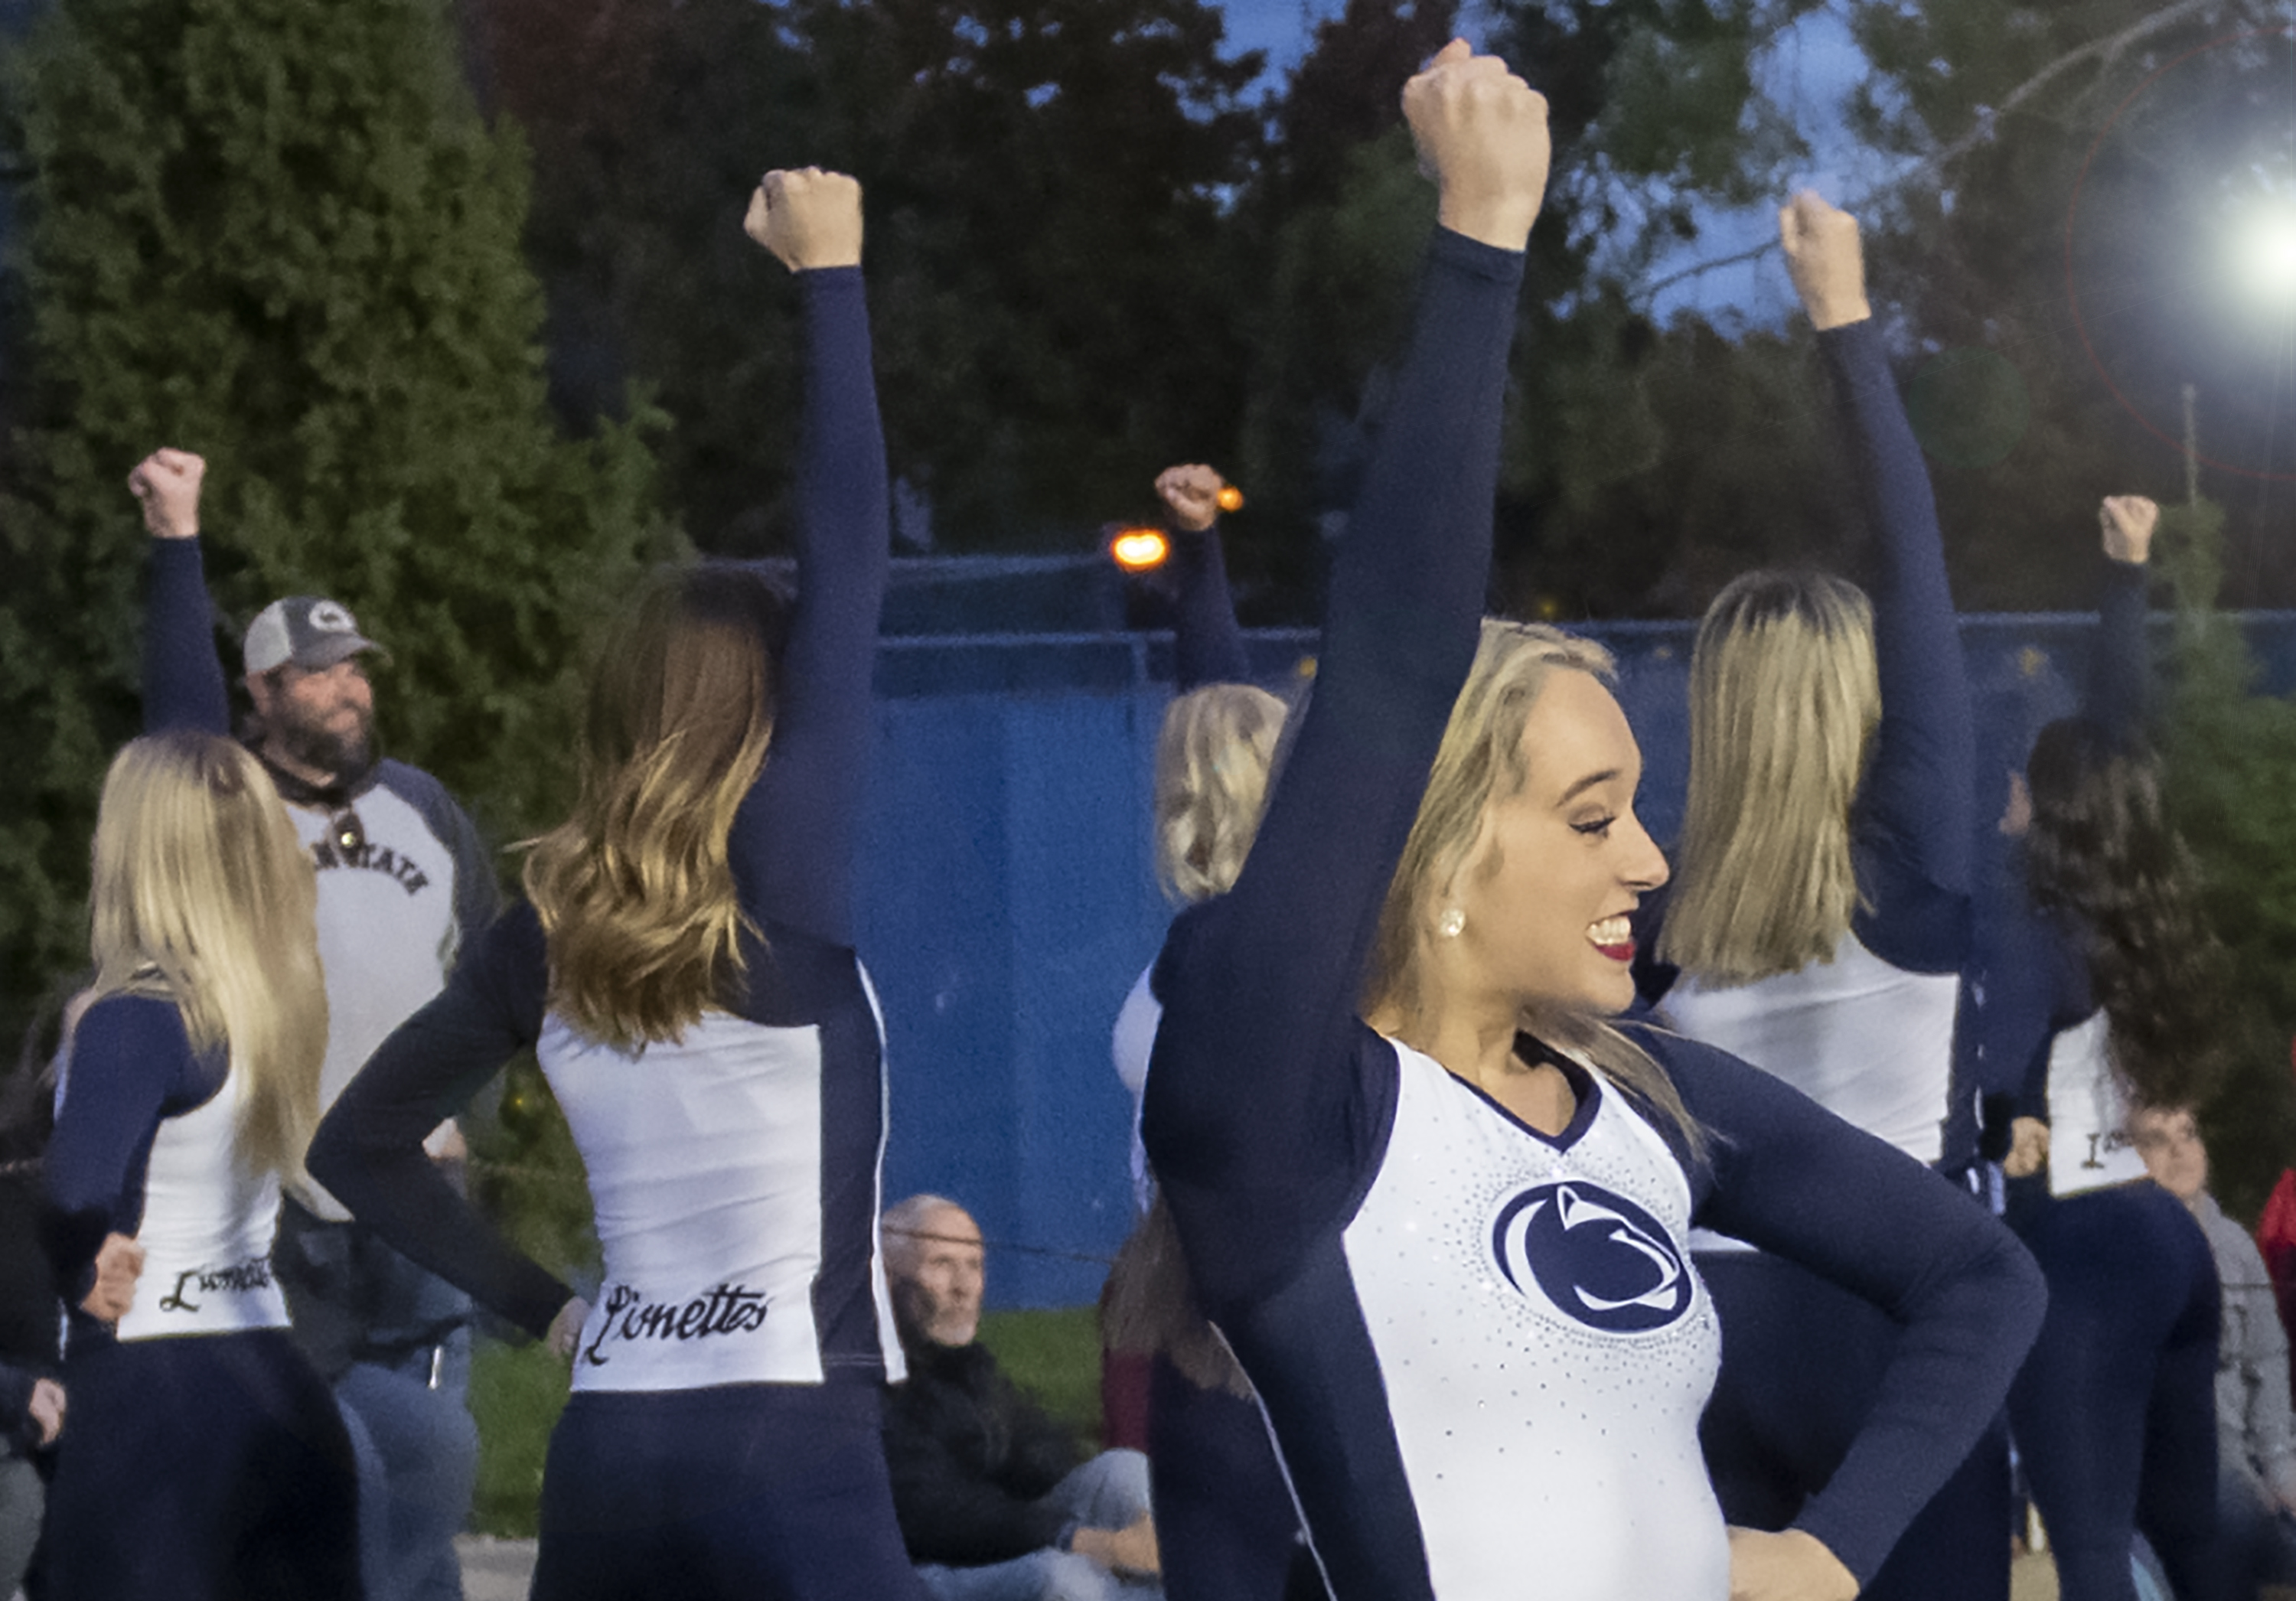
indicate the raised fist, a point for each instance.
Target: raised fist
{"x":2129,"y":521}
{"x":1191,"y":495}
{"x":809,"y":218}
{"x":1482,"y":133}
{"x":1824,"y":258}
{"x":168,"y":484}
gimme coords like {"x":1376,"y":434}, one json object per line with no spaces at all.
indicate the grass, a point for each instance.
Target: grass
{"x":517,"y":1390}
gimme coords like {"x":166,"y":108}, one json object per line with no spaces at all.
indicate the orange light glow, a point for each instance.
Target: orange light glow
{"x":1138,"y":549}
{"x":1231,"y":498}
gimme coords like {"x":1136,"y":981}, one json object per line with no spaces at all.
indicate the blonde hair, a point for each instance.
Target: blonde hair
{"x":634,"y":890}
{"x":1785,"y":697}
{"x":1211,"y":784}
{"x":1480,"y":761}
{"x":203,"y":896}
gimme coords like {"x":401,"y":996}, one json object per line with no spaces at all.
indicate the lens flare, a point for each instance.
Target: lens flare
{"x":1138,"y":549}
{"x":2267,"y":257}
{"x":1231,"y":498}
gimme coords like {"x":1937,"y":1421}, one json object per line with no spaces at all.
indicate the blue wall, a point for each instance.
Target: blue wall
{"x":1010,"y":903}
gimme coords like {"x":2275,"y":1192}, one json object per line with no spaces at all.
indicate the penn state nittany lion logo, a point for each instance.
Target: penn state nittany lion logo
{"x":1596,"y":1256}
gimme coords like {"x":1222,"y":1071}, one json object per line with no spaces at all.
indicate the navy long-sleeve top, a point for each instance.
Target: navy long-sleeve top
{"x":1870,"y":1031}
{"x":2038,"y":980}
{"x":1206,"y":643}
{"x":734,"y":1171}
{"x":1474,"y":1339}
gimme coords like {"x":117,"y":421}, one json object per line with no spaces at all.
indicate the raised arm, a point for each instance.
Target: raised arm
{"x":1916,"y":800}
{"x":368,"y":1151}
{"x":182,"y":681}
{"x":1249,"y":1089}
{"x":1207,"y":644}
{"x":2118,"y":662}
{"x":793,"y":839}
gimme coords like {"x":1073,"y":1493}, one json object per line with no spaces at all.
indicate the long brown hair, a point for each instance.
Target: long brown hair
{"x":2100,"y":855}
{"x":202,"y":895}
{"x":634,"y":890}
{"x":1785,"y":694}
{"x":1480,"y":761}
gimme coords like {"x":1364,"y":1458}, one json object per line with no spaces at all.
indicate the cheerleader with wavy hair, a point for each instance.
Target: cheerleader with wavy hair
{"x":683,"y":970}
{"x":206,"y":1458}
{"x":2110,"y":989}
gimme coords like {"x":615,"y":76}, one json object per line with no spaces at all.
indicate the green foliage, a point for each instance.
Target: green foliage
{"x":275,"y":231}
{"x":517,"y":1393}
{"x":2231,"y":765}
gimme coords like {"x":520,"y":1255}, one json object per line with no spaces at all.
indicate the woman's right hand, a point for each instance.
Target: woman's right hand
{"x":1190,"y":494}
{"x":167,"y":484}
{"x":809,"y":218}
{"x":118,"y":1264}
{"x":2129,"y":521}
{"x":1825,"y":261}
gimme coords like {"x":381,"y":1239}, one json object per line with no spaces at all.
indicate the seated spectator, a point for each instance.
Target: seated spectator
{"x":2256,"y":1437}
{"x":995,"y":1500}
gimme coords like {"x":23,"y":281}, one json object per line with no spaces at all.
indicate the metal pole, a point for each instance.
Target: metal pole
{"x":2192,"y":445}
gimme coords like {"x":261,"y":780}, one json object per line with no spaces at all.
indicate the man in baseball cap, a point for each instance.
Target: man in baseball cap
{"x":403,"y":881}
{"x":314,"y":707}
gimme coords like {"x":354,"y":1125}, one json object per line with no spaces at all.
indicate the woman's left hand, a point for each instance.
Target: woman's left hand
{"x":1791,"y":1566}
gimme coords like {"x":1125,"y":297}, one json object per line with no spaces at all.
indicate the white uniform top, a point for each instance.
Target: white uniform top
{"x":387,"y":935}
{"x":1546,"y":1346}
{"x":1133,"y":1039}
{"x":711,"y":1260}
{"x":2089,"y":1145}
{"x":206,"y":1231}
{"x":1870,"y":1042}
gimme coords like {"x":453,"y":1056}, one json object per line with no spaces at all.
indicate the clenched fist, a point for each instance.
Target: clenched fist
{"x":1824,"y":260}
{"x":1191,"y":495}
{"x":809,"y":218}
{"x":2129,"y":521}
{"x":1482,"y":136}
{"x":167,"y":482}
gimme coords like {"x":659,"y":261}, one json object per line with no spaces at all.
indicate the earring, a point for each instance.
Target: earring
{"x":1451,"y":922}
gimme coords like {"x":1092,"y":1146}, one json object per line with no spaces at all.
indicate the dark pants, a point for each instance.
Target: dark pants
{"x":206,"y":1467}
{"x":1802,"y":1361}
{"x":2115,"y":1410}
{"x":750,"y":1492}
{"x":1225,"y":1526}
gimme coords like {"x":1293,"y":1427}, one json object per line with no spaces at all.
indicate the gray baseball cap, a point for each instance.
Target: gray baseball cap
{"x":305,"y":630}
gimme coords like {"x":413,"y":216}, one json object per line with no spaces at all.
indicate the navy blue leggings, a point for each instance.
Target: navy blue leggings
{"x":1225,"y":1526}
{"x":750,"y":1492}
{"x":1802,"y":1361}
{"x":2115,"y":1411}
{"x":207,"y":1468}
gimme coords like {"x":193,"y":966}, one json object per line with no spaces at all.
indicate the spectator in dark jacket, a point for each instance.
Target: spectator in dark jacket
{"x":995,"y":1500}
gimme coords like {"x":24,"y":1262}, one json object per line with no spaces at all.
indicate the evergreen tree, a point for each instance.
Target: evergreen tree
{"x":276,"y":231}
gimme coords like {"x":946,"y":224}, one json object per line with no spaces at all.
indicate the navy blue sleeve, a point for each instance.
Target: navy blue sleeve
{"x":2119,"y":665}
{"x":1791,"y":1177}
{"x":792,"y":842}
{"x":1254,"y":1103}
{"x":1206,"y":644}
{"x":368,"y":1152}
{"x":182,"y":677}
{"x":131,"y":1065}
{"x":1913,"y":811}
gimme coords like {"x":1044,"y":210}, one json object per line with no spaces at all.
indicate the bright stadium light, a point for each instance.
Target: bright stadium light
{"x":2267,"y":254}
